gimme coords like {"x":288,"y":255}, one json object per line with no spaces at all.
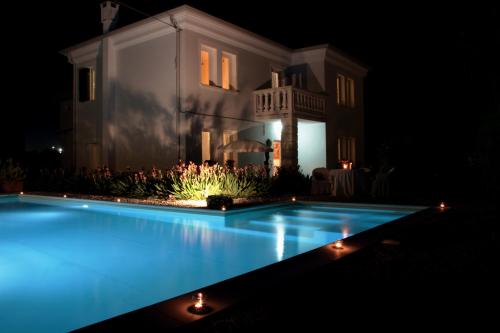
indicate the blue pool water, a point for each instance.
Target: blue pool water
{"x":65,"y":263}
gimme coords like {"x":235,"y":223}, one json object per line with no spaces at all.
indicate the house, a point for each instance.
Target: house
{"x":181,"y":84}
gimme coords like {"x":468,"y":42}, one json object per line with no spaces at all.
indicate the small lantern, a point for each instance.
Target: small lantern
{"x":118,"y":200}
{"x":442,"y":205}
{"x":200,"y":306}
{"x":338,"y":244}
{"x":65,"y":196}
{"x":21,"y":193}
{"x":223,"y":208}
{"x":294,"y":199}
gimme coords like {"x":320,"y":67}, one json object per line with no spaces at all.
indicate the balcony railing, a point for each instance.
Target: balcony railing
{"x":275,"y":102}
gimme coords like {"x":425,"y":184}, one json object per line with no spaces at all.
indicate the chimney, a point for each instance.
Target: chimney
{"x":109,"y":15}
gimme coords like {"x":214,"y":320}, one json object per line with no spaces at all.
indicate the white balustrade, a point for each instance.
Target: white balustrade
{"x":275,"y":101}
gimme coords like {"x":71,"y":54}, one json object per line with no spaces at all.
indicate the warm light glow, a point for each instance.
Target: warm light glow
{"x":226,"y":72}
{"x":346,"y":165}
{"x":345,"y":233}
{"x":338,"y":244}
{"x":65,"y":196}
{"x":199,"y":302}
{"x":118,"y":200}
{"x":223,"y":208}
{"x":204,"y":68}
{"x":21,"y":193}
{"x":442,"y":205}
{"x":294,"y":199}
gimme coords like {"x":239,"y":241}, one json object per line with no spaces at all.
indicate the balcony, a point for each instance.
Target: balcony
{"x":276,"y":103}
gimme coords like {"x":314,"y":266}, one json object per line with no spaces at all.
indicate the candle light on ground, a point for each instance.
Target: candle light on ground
{"x":200,"y":306}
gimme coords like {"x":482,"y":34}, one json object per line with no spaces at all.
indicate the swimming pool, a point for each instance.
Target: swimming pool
{"x":67,"y":263}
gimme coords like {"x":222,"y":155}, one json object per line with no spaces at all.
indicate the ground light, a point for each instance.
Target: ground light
{"x":223,"y":208}
{"x":338,"y":245}
{"x":21,"y":193}
{"x":294,"y":199}
{"x":118,"y":200}
{"x":65,"y":196}
{"x":200,"y":306}
{"x":442,"y":205}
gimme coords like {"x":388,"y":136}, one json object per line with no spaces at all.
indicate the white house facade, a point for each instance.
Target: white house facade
{"x":184,"y":83}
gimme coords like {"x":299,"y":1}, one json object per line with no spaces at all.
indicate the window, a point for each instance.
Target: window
{"x":346,"y":149}
{"x":351,"y":100}
{"x":228,"y":137}
{"x":346,"y":91}
{"x":226,"y":72}
{"x":86,"y":84}
{"x":340,"y":89}
{"x":205,"y":71}
{"x":205,"y":146}
{"x":208,"y":66}
{"x":228,"y":69}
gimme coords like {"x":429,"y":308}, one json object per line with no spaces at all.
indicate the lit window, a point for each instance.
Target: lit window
{"x":205,"y":146}
{"x":226,"y":72}
{"x":208,"y":66}
{"x":86,"y":84}
{"x":228,"y":69}
{"x":346,"y":149}
{"x":341,"y":98}
{"x":204,"y":67}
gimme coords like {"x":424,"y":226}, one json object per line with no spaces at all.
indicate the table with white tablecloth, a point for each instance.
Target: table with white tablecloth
{"x":342,"y":182}
{"x":338,"y":182}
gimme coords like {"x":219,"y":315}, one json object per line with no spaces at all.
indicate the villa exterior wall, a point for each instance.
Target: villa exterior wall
{"x":132,"y":123}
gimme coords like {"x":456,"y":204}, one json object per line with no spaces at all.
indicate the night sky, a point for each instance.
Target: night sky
{"x":432,"y":83}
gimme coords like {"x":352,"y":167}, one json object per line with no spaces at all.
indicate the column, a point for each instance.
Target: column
{"x":289,"y":151}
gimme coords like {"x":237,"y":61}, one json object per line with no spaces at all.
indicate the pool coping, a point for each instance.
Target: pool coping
{"x":215,"y":212}
{"x":172,"y":314}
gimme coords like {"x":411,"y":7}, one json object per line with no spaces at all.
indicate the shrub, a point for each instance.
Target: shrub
{"x":290,"y":180}
{"x":199,"y":182}
{"x":217,"y":201}
{"x":10,"y":172}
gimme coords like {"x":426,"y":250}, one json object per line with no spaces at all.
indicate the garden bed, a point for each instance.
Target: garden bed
{"x":238,"y":202}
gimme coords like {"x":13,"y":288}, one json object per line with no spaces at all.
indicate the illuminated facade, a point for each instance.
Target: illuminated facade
{"x":136,"y":106}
